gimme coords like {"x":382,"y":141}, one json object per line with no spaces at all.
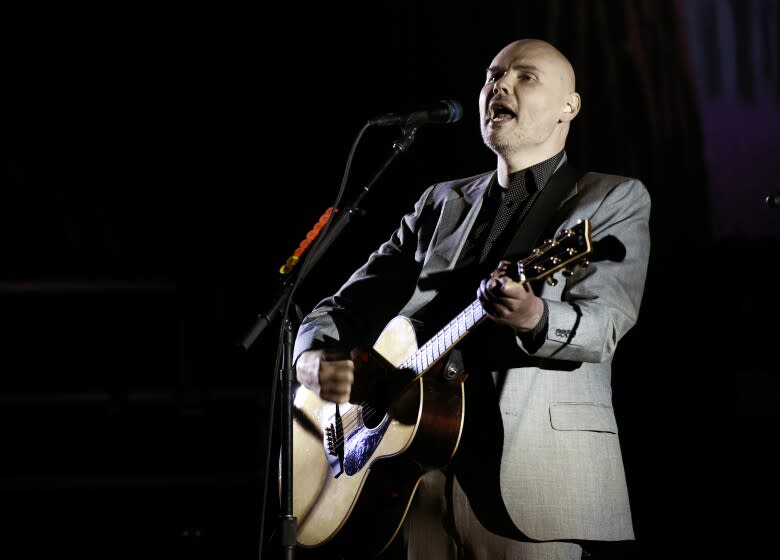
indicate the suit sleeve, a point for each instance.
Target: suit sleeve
{"x":594,"y":308}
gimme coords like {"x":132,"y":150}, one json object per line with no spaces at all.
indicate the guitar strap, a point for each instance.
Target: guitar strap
{"x":536,"y":223}
{"x":479,"y":477}
{"x":541,"y":222}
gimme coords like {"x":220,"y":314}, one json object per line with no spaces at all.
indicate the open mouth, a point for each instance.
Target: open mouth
{"x":500,"y":112}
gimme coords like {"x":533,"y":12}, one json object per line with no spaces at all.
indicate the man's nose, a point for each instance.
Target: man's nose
{"x":501,"y":84}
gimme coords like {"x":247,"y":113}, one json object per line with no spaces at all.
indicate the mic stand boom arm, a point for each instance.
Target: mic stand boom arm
{"x":321,"y":246}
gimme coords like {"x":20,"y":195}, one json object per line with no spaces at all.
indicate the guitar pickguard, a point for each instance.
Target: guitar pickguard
{"x":348,"y":451}
{"x":361,"y":445}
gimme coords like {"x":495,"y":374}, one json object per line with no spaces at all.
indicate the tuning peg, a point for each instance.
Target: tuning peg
{"x":567,"y":272}
{"x":551,"y":281}
{"x":584,"y":263}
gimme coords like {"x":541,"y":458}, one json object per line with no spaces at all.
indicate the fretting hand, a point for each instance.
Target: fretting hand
{"x":510,"y":302}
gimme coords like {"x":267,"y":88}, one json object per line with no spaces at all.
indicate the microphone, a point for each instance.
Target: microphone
{"x":773,"y":200}
{"x":449,"y":111}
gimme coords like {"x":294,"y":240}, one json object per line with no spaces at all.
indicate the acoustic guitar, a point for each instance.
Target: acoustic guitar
{"x":356,"y":467}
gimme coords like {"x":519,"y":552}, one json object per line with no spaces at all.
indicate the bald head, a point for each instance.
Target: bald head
{"x":557,"y":61}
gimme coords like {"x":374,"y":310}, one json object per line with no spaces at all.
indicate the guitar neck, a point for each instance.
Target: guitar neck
{"x":444,"y":340}
{"x":569,"y":247}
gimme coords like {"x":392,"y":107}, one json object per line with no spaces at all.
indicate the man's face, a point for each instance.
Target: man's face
{"x":524,"y":97}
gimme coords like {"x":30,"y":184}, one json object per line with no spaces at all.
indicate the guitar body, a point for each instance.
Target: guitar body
{"x":356,"y":467}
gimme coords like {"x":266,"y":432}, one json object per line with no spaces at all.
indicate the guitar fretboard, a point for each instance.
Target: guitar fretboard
{"x":445,"y":339}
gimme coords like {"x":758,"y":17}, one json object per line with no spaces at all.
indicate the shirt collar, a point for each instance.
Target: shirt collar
{"x":527,"y":180}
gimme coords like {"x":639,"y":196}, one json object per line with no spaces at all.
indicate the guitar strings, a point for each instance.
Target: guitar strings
{"x":472,"y":315}
{"x":353,"y":416}
{"x":460,"y":326}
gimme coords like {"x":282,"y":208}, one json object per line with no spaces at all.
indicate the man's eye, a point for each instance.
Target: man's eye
{"x":494,"y":76}
{"x":527,"y":77}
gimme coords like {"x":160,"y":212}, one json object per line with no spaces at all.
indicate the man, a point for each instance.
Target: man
{"x":538,"y":471}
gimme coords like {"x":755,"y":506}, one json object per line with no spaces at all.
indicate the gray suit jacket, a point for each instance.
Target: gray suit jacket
{"x":562,"y":474}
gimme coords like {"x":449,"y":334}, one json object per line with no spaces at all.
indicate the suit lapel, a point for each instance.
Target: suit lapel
{"x":458,"y":214}
{"x":457,"y":218}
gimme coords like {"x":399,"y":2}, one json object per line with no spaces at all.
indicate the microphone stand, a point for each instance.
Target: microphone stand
{"x":287,"y":519}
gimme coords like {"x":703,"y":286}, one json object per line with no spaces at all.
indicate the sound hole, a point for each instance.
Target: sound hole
{"x":373,"y":414}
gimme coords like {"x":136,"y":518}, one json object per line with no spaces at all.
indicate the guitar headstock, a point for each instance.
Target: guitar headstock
{"x":569,"y":248}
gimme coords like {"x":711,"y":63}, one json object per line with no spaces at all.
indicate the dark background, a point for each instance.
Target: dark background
{"x":159,"y":165}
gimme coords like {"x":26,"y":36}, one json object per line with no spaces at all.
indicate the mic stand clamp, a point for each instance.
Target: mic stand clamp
{"x":407,"y":137}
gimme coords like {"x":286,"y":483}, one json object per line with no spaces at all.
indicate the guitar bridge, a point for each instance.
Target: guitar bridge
{"x":334,"y":444}
{"x":330,"y":439}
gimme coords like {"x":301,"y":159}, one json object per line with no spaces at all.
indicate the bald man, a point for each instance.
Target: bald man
{"x":531,"y":466}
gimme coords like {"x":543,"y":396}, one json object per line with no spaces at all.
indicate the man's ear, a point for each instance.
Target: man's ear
{"x":571,"y":107}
